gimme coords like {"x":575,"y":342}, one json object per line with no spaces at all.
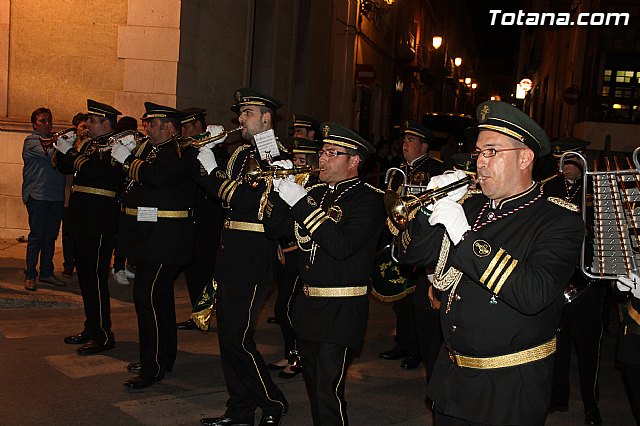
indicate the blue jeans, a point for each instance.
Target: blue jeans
{"x":44,"y":226}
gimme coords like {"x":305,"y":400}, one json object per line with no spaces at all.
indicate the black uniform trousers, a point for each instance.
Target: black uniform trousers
{"x":93,"y":257}
{"x":406,"y":337}
{"x":287,"y":291}
{"x":155,"y":307}
{"x":325,"y":370}
{"x":248,"y":380}
{"x":200,"y":271}
{"x":581,"y":323}
{"x":429,"y":336}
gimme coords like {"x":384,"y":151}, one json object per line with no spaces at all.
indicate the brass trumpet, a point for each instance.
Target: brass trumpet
{"x":402,"y":210}
{"x":203,"y":139}
{"x":48,"y":142}
{"x":254,"y":173}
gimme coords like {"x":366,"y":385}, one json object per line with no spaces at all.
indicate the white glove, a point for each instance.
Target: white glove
{"x":129,"y":141}
{"x":63,"y":145}
{"x":447,"y":178}
{"x":450,"y":214}
{"x":282,"y":164}
{"x":290,"y":192}
{"x":631,"y":283}
{"x":213,"y":130}
{"x":120,"y":152}
{"x":207,"y":159}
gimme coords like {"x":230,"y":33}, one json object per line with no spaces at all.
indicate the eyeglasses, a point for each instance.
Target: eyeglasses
{"x":490,"y":152}
{"x":332,"y":153}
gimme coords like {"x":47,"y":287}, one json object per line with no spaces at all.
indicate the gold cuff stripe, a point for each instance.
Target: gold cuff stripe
{"x":317,"y":224}
{"x":496,"y":274}
{"x":243,"y":226}
{"x":225,"y":188}
{"x":505,"y":276}
{"x":134,"y":169}
{"x":634,"y":314}
{"x":95,"y":191}
{"x":334,"y":291}
{"x":79,"y":162}
{"x":492,"y":265}
{"x":312,"y":216}
{"x":171,"y":214}
{"x":511,"y":360}
{"x":317,"y":220}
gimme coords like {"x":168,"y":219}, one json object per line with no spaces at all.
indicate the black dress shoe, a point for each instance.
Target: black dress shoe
{"x":395,"y":353}
{"x":593,"y":417}
{"x":225,"y":421}
{"x":187,"y":325}
{"x":141,"y":382}
{"x":410,"y":362}
{"x":78,"y":339}
{"x":271,"y":420}
{"x":134,"y":367}
{"x":93,"y":348}
{"x":272,"y":320}
{"x":290,"y":375}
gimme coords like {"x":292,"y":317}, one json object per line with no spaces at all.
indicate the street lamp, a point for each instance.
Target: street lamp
{"x":457,"y":61}
{"x":467,"y":81}
{"x":436,"y":42}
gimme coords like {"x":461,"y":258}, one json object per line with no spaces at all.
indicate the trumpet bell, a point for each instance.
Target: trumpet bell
{"x":396,"y":209}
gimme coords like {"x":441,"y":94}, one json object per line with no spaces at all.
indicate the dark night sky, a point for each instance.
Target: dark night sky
{"x":496,"y":45}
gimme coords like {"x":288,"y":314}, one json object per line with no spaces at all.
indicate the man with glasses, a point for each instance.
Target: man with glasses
{"x":502,"y":261}
{"x":336,"y":225}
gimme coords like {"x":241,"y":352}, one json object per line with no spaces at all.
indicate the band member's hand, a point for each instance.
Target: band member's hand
{"x":120,"y":152}
{"x":213,"y":130}
{"x":291,"y":192}
{"x":129,"y":141}
{"x":283,"y":164}
{"x":434,"y":302}
{"x":450,"y":214}
{"x":630,"y":283}
{"x":448,"y":178}
{"x":207,"y":159}
{"x":63,"y":145}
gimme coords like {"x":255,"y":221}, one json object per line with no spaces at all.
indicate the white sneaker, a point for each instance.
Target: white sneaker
{"x":130,"y":274}
{"x":121,"y":278}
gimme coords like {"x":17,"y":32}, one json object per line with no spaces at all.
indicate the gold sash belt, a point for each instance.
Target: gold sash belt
{"x":169,"y":214}
{"x":95,"y":191}
{"x":510,"y":360}
{"x":333,"y":291}
{"x":243,"y":226}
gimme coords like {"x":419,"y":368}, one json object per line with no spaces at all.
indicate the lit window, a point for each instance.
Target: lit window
{"x":605,"y":91}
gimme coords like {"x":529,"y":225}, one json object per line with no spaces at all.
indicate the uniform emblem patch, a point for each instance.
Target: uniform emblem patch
{"x":335,"y":213}
{"x":481,"y":248}
{"x":419,"y":178}
{"x":311,"y":201}
{"x":220,"y":174}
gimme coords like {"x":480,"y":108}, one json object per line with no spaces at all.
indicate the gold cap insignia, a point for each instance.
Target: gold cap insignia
{"x":325,"y":131}
{"x":483,"y":113}
{"x":311,"y":201}
{"x":238,"y":96}
{"x":481,"y":248}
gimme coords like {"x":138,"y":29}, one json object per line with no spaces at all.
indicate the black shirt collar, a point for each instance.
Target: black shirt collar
{"x":519,"y":199}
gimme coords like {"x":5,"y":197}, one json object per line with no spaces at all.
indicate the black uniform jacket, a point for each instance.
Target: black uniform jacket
{"x":94,"y":204}
{"x":244,"y":256}
{"x":158,"y":177}
{"x":337,"y":231}
{"x":508,"y":299}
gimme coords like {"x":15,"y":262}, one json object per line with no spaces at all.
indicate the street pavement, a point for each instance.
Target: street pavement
{"x":45,"y":382}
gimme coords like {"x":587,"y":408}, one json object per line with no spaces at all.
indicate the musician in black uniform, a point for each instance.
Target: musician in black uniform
{"x":208,"y":216}
{"x":156,"y":228}
{"x":337,"y":225}
{"x":93,"y":223}
{"x":629,"y":344}
{"x":245,"y":268}
{"x":502,"y":260}
{"x":581,"y":322}
{"x":418,"y":167}
{"x":304,"y":152}
{"x":305,"y":127}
